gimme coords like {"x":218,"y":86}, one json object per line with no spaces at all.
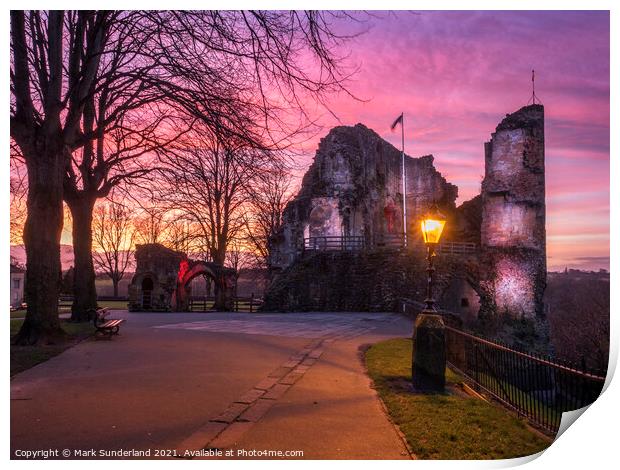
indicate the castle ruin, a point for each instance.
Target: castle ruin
{"x":352,"y":193}
{"x":341,"y":245}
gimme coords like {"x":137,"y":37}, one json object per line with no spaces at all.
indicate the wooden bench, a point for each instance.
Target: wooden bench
{"x":106,"y":328}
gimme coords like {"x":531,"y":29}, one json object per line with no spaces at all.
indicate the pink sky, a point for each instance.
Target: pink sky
{"x":456,"y":74}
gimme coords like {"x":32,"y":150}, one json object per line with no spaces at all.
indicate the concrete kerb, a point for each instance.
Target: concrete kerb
{"x":362,"y":358}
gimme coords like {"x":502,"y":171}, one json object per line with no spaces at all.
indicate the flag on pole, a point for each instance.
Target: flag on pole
{"x":399,"y":120}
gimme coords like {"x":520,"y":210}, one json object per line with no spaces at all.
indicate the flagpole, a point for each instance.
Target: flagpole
{"x":402,"y":128}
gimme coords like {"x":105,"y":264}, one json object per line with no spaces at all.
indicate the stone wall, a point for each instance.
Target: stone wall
{"x":369,"y":281}
{"x":154,"y":283}
{"x":467,"y":221}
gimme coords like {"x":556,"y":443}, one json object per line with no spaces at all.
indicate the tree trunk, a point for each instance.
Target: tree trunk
{"x":42,"y":232}
{"x":224,"y":294}
{"x":115,"y":286}
{"x":84,"y":292}
{"x":219,"y":257}
{"x":220,"y":297}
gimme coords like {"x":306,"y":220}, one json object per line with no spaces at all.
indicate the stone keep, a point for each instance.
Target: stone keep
{"x":513,"y":216}
{"x":354,"y":189}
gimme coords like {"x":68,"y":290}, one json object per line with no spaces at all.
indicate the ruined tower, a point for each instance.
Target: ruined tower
{"x":513,"y":247}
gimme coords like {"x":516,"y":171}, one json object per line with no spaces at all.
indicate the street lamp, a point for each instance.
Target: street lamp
{"x":432,"y":224}
{"x":428,"y":365}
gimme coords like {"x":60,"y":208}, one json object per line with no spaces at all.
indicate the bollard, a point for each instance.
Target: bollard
{"x":429,"y":354}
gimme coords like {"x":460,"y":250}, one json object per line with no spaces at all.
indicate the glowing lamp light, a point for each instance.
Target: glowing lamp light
{"x":432,"y":225}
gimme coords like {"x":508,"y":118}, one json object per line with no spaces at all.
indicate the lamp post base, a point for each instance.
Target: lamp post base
{"x":428,"y":369}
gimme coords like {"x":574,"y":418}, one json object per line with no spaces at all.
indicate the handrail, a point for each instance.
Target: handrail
{"x":540,"y":360}
{"x":358,"y":242}
{"x":537,"y":386}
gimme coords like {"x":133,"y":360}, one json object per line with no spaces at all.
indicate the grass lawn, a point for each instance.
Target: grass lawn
{"x":114,"y":304}
{"x":65,"y":307}
{"x":450,"y":426}
{"x":25,"y":357}
{"x":18,"y":313}
{"x":516,"y":395}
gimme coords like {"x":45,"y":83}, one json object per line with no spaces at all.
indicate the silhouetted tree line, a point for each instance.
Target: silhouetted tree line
{"x":578,"y":315}
{"x":97,"y":96}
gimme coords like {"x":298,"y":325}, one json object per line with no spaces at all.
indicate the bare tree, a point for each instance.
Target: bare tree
{"x":81,"y":80}
{"x":18,"y":191}
{"x":207,"y":181}
{"x":179,"y":235}
{"x":270,"y":194}
{"x":579,"y":319}
{"x":239,"y":257}
{"x":121,"y":123}
{"x":45,"y":114}
{"x":113,"y":238}
{"x":150,"y":225}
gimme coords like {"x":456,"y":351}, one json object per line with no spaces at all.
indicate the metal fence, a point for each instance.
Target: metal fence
{"x":537,"y":387}
{"x":358,"y":243}
{"x":457,"y":248}
{"x":334,"y":243}
{"x":447,"y":248}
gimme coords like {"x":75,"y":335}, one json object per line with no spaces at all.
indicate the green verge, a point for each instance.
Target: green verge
{"x":25,"y":357}
{"x":113,"y":304}
{"x":18,"y":313}
{"x":446,"y":426}
{"x":65,"y":307}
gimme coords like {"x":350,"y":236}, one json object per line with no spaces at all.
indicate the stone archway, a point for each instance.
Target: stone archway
{"x":163,"y":275}
{"x":223,"y":279}
{"x":149,"y":292}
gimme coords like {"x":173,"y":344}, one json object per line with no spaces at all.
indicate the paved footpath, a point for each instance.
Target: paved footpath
{"x":239,"y":382}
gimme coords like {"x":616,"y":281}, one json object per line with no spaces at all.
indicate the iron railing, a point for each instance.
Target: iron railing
{"x":358,"y":243}
{"x":334,"y":243}
{"x":537,"y":387}
{"x":456,"y":248}
{"x":447,"y":247}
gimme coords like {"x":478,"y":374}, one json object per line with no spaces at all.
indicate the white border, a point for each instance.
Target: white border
{"x":591,"y":443}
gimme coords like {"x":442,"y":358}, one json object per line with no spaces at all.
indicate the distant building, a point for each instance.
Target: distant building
{"x":18,"y":275}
